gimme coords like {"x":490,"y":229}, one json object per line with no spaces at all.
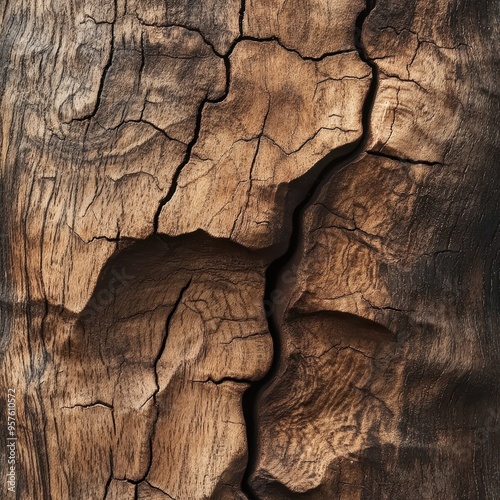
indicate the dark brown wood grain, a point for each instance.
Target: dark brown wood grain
{"x":249,"y":250}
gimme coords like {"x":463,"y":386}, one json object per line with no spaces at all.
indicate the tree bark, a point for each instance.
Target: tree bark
{"x":250,"y":249}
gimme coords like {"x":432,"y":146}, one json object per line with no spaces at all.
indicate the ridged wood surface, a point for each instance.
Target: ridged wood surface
{"x":250,"y":249}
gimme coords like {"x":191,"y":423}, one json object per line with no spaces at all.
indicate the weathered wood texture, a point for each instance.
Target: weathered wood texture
{"x":250,"y":250}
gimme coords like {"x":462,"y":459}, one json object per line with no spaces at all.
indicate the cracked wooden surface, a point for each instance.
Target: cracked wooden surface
{"x":246,"y":150}
{"x":404,"y":233}
{"x":250,"y":249}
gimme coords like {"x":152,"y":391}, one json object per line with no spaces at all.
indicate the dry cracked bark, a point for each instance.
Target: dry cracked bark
{"x":250,"y":249}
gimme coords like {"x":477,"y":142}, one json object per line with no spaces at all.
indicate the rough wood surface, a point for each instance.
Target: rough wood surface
{"x":250,"y":249}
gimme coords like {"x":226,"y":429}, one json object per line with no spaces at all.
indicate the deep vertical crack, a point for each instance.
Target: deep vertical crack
{"x":163,"y":345}
{"x":275,"y":269}
{"x":177,"y":173}
{"x":241,"y":16}
{"x":227,"y":63}
{"x":187,"y":157}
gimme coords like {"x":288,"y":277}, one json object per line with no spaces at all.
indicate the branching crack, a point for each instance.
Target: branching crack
{"x":425,"y":40}
{"x":289,"y":49}
{"x":404,"y":80}
{"x":159,"y":489}
{"x":227,"y":62}
{"x":338,"y":348}
{"x":136,"y":484}
{"x":244,"y":337}
{"x":254,"y":159}
{"x":307,"y":141}
{"x":114,"y":239}
{"x":177,"y":173}
{"x":108,"y":484}
{"x":350,"y":348}
{"x":135,"y":174}
{"x":88,"y":17}
{"x":368,"y":237}
{"x":187,"y":28}
{"x":370,"y":394}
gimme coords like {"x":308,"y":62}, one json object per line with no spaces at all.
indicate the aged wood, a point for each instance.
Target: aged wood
{"x":282,"y":114}
{"x":387,"y":383}
{"x":250,"y":249}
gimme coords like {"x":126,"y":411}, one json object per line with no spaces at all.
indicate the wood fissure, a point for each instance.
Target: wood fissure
{"x":276,"y":269}
{"x":249,"y":250}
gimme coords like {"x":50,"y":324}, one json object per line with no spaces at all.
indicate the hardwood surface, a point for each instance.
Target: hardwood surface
{"x":250,"y":250}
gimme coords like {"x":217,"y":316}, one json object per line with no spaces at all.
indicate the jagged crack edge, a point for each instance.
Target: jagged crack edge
{"x":273,"y":272}
{"x":155,"y":365}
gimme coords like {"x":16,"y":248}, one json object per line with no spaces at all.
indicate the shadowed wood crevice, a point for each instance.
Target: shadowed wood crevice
{"x":277,"y":269}
{"x":346,"y":420}
{"x":250,"y":249}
